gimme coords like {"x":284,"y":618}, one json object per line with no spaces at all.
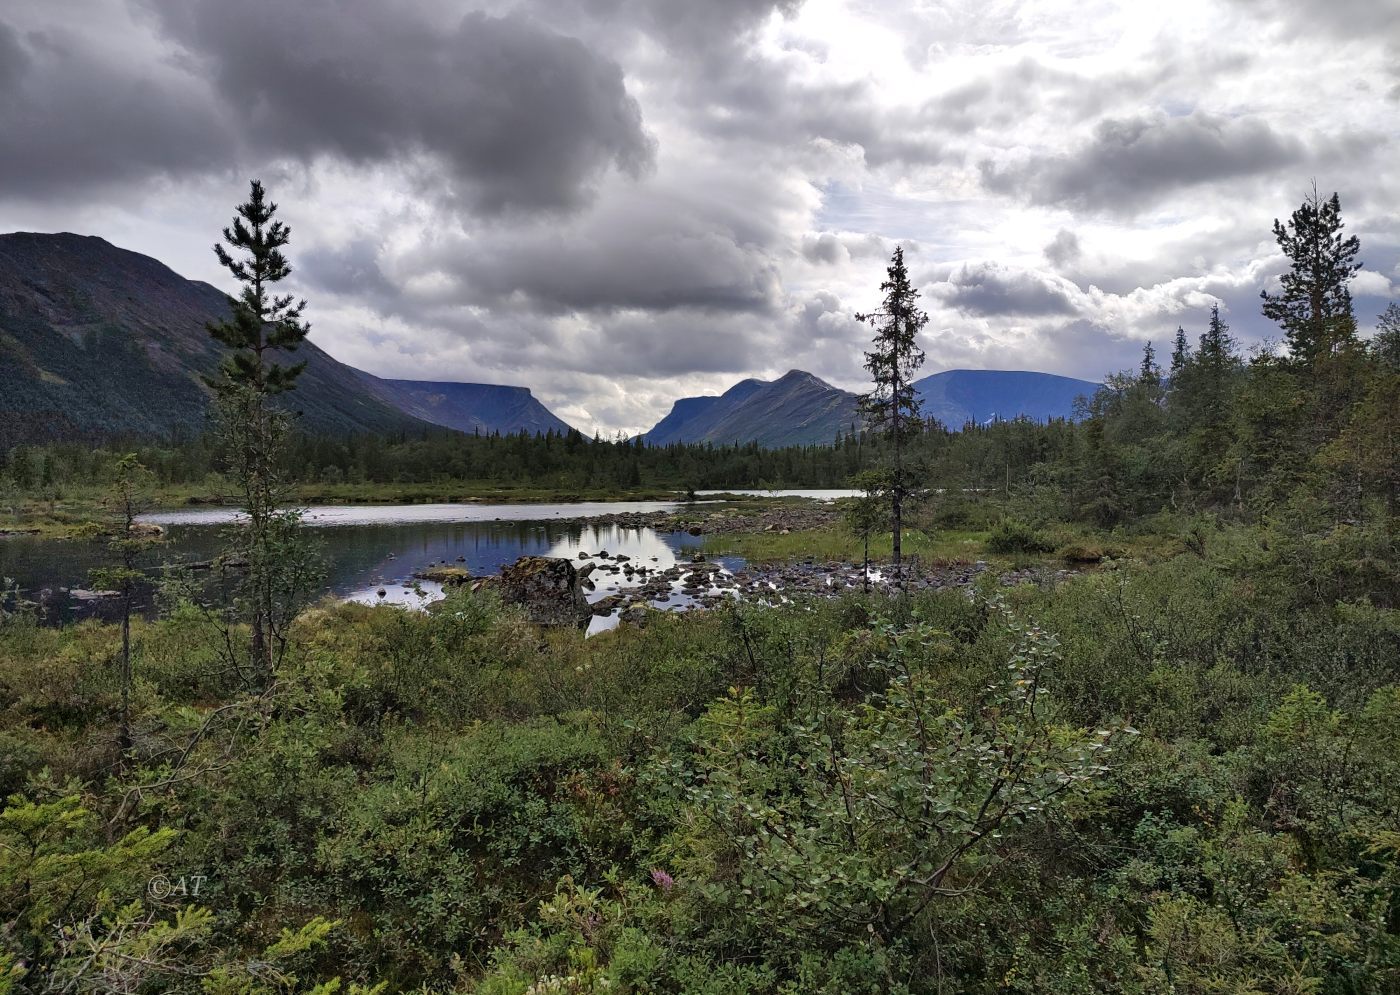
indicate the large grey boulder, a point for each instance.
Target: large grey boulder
{"x":549,"y":589}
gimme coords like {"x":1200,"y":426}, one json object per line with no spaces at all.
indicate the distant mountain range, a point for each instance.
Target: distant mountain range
{"x":97,"y":341}
{"x":800,"y":409}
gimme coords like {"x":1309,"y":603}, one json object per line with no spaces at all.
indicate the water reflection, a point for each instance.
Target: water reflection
{"x":363,"y":558}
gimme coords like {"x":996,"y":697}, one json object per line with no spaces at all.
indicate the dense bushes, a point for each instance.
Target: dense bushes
{"x":760,"y":800}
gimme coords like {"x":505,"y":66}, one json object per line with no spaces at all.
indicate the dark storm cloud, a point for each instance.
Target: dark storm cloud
{"x":824,"y":248}
{"x":13,"y":61}
{"x":352,"y":270}
{"x":1064,"y":249}
{"x":72,"y":119}
{"x":1132,"y":162}
{"x":703,"y":244}
{"x":990,"y":289}
{"x":520,"y":116}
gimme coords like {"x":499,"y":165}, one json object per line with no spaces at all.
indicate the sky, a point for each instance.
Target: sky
{"x":621,"y":202}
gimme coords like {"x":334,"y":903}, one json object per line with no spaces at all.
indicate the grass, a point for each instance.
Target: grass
{"x":837,"y":543}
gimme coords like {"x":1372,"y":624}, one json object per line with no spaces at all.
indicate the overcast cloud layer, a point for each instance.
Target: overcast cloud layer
{"x":621,"y":202}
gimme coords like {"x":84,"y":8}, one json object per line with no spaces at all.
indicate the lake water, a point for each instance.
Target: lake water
{"x":368,"y":549}
{"x":819,"y":493}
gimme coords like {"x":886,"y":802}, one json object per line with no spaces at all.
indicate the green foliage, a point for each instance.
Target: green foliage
{"x":892,"y":407}
{"x":1013,"y":536}
{"x":1314,"y":302}
{"x":262,"y":323}
{"x":843,"y":823}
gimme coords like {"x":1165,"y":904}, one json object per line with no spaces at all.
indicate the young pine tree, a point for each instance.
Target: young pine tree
{"x":1314,"y":305}
{"x":262,"y":326}
{"x":891,"y":406}
{"x":127,"y":541}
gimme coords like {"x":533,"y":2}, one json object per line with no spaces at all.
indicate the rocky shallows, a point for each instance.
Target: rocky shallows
{"x":614,"y":589}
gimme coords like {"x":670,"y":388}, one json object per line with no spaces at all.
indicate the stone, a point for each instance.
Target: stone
{"x":444,"y":575}
{"x":548,"y":588}
{"x":81,"y":594}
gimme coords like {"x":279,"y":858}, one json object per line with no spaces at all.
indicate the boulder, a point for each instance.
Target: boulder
{"x":549,"y":590}
{"x":444,"y":575}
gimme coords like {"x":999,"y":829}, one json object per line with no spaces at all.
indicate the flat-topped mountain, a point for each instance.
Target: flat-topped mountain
{"x":957,"y":397}
{"x":796,"y":409}
{"x":469,"y":407}
{"x":98,"y":341}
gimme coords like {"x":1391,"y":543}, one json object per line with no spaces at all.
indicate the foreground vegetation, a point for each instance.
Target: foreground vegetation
{"x":1190,"y":786}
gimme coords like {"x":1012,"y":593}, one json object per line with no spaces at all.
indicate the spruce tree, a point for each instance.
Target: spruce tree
{"x":1314,"y":305}
{"x":261,"y":326}
{"x":1149,"y":373}
{"x":891,"y":406}
{"x":1181,"y":353}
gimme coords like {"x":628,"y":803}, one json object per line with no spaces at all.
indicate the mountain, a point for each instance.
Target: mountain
{"x":468,"y":407}
{"x":957,"y":397}
{"x":98,"y":341}
{"x":797,"y":409}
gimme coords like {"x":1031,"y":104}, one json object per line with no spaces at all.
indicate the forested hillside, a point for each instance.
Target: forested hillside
{"x":96,"y":342}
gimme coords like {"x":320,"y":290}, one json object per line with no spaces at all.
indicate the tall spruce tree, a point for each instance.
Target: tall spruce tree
{"x":891,"y":406}
{"x":1314,"y":304}
{"x":262,"y":325}
{"x":1149,"y":373}
{"x":1181,"y":352}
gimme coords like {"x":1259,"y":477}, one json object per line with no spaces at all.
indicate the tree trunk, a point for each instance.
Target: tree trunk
{"x":897,"y":494}
{"x":124,"y":734}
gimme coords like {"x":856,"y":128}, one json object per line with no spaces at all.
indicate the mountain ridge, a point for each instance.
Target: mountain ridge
{"x":796,"y":409}
{"x":762,"y":411}
{"x":98,"y":341}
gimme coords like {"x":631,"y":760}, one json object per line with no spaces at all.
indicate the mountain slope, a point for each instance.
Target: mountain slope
{"x":797,"y":409}
{"x":691,"y":418}
{"x":957,"y":397}
{"x":468,"y":407}
{"x":98,"y":341}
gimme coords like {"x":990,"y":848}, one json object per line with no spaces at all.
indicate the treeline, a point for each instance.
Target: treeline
{"x":564,"y":461}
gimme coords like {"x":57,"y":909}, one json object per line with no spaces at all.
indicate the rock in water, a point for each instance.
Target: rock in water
{"x":548,"y":588}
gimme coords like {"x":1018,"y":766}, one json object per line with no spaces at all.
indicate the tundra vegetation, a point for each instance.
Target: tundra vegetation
{"x":1177,"y":771}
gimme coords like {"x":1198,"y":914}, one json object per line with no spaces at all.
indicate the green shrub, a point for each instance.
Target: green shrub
{"x":1011,"y":536}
